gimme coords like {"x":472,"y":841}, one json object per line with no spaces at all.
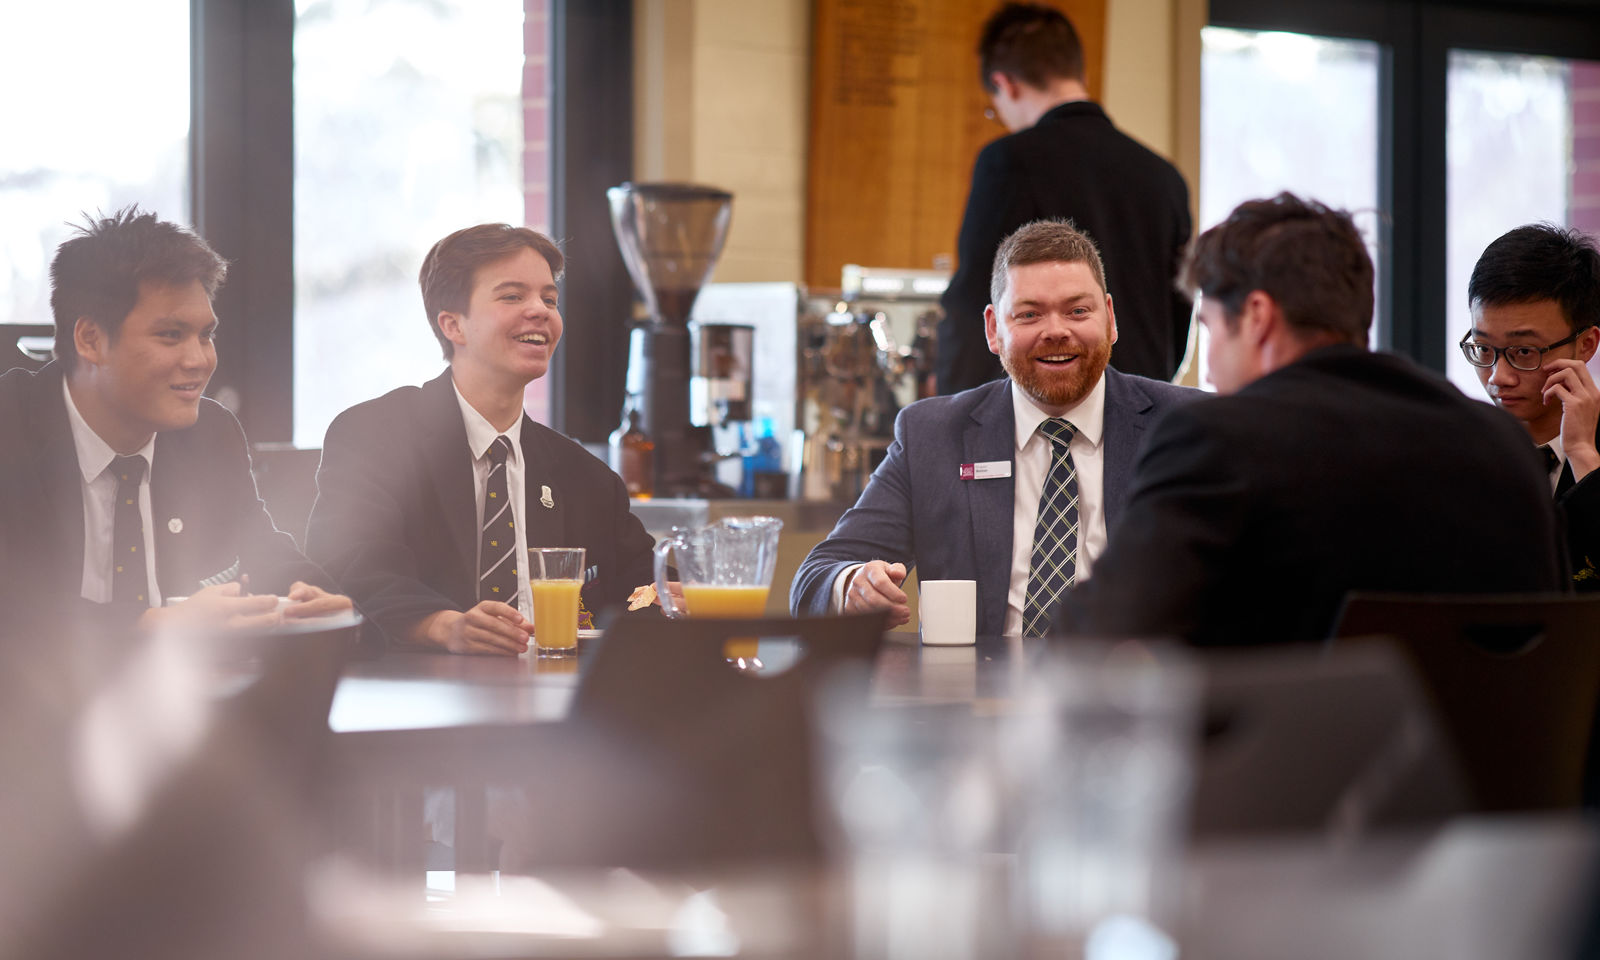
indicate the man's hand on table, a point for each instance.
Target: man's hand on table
{"x":309,"y":601}
{"x":491,"y":628}
{"x":876,"y":586}
{"x":215,"y":608}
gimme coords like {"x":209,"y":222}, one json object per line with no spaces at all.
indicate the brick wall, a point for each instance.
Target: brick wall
{"x":1584,"y":209}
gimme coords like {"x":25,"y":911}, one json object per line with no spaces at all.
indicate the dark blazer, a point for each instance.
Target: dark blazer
{"x":916,"y":511}
{"x":395,"y":517}
{"x":1252,"y":515}
{"x":1580,"y":513}
{"x":208,"y":518}
{"x":1074,"y":163}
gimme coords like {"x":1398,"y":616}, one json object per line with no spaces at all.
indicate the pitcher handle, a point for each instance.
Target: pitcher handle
{"x":663,"y":548}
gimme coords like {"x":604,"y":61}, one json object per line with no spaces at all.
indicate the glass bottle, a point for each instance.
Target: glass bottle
{"x":633,"y":453}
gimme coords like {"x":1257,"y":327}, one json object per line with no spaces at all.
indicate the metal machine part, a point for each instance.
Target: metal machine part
{"x":670,"y":235}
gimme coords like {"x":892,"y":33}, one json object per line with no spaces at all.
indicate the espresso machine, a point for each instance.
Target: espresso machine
{"x":686,"y":379}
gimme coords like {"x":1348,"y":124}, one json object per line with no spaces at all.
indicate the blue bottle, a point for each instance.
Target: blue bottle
{"x":765,"y":458}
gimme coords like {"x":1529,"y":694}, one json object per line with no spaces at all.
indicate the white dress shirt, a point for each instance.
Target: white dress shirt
{"x":1030,"y":467}
{"x":1028,"y":473}
{"x":99,"y":489}
{"x":1561,"y":460}
{"x":480,"y":436}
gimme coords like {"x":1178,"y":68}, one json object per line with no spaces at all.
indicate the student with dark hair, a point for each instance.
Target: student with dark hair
{"x":409,"y":480}
{"x":126,"y":487}
{"x":1324,"y":468}
{"x":1063,"y":158}
{"x":1054,"y":443}
{"x":1535,"y":301}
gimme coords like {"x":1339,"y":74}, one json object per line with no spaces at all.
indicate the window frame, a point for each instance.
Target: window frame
{"x":242,"y":198}
{"x":1416,"y":37}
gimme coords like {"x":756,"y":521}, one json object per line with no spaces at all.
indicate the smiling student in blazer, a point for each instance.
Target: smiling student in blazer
{"x":960,"y":493}
{"x":123,"y":486}
{"x":409,"y":515}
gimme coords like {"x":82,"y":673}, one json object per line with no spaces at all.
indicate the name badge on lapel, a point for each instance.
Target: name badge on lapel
{"x":988,"y":470}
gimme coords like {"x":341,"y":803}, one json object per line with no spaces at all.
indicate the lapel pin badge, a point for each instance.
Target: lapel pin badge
{"x":545,"y":498}
{"x":175,"y":525}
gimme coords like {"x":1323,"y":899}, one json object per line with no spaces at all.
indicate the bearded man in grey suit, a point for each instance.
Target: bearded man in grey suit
{"x":1012,"y":484}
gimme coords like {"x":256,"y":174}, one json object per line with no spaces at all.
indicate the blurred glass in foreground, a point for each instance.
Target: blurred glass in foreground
{"x":1053,"y":828}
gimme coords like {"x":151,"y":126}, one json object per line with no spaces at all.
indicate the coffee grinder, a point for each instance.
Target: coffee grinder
{"x":671,"y":235}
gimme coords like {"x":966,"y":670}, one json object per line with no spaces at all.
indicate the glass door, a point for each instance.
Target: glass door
{"x":1523,"y":146}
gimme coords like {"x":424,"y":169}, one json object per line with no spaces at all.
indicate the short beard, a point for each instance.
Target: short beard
{"x":1059,"y":389}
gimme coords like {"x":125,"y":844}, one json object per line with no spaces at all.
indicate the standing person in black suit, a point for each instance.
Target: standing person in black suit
{"x":410,"y":479}
{"x":123,"y":486}
{"x":1064,"y":159}
{"x":1324,"y":469}
{"x":1535,"y":301}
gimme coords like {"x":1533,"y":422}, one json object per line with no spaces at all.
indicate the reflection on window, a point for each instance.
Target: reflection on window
{"x":1523,"y":143}
{"x":1287,"y":111}
{"x":408,"y":126}
{"x":95,"y":116}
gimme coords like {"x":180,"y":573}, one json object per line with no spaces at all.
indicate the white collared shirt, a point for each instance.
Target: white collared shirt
{"x":1556,"y":447}
{"x":480,"y":436}
{"x":99,"y":489}
{"x":1032,"y":465}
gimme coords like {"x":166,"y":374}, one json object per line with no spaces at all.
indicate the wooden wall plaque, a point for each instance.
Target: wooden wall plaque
{"x":896,"y":123}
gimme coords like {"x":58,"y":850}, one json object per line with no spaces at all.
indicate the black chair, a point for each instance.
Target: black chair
{"x":1515,"y":681}
{"x":1299,"y":740}
{"x":26,"y":345}
{"x":707,"y":764}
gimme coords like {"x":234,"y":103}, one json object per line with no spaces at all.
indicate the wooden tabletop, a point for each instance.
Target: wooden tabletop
{"x":406,"y":690}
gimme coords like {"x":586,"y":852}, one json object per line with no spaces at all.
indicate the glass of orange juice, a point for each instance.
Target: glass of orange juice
{"x":726,"y":570}
{"x":555,"y":575}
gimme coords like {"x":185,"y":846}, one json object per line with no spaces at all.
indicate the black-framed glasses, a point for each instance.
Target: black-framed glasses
{"x":1521,"y":357}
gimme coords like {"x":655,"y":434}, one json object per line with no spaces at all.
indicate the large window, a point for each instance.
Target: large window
{"x":1486,"y":116}
{"x":408,"y":125}
{"x":1524,"y":146}
{"x":1289,"y":111}
{"x":95,"y":116}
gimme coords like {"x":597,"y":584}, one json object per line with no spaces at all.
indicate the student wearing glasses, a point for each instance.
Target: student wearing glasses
{"x":1535,"y":301}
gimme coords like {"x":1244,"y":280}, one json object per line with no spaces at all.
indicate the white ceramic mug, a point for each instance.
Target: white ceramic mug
{"x":949,"y":611}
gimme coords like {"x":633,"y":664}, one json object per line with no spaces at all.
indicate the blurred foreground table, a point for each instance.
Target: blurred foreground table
{"x":405,"y":691}
{"x":1479,"y":888}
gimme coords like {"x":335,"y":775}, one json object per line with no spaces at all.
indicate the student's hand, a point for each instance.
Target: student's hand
{"x":213,"y":609}
{"x":491,"y":628}
{"x":309,"y":601}
{"x":1570,"y":383}
{"x":876,"y":586}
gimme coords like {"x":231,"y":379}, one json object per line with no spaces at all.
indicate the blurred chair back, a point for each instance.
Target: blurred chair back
{"x":26,"y":345}
{"x":1515,"y":681}
{"x":720,"y":760}
{"x":1302,"y":740}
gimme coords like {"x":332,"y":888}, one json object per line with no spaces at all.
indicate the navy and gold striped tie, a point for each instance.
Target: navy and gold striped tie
{"x":130,"y":579}
{"x":497,"y":542}
{"x":1053,"y":566}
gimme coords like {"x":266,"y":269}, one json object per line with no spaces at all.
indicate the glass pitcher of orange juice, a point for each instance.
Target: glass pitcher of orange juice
{"x":726,"y":571}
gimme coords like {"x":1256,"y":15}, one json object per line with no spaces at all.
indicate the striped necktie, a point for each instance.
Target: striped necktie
{"x":130,"y":579}
{"x":1053,"y":565}
{"x":497,"y":541}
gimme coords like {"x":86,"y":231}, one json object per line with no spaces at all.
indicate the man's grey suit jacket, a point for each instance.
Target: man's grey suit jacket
{"x":916,"y":509}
